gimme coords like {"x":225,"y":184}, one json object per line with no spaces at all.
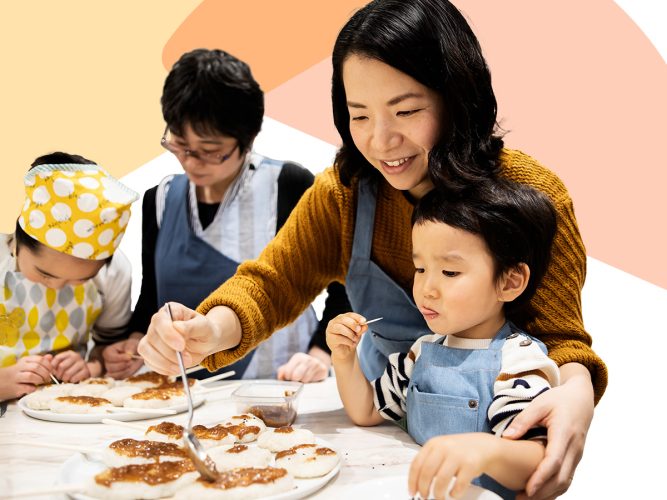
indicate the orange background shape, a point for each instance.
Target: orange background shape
{"x":579,"y":87}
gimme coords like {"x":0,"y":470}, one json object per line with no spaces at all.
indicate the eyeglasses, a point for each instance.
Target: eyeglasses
{"x":181,"y":153}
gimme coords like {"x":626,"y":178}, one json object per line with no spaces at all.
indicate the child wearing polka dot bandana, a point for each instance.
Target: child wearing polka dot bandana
{"x":61,"y":274}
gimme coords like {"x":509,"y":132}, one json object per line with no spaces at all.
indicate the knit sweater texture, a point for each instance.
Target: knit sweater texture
{"x":315,"y":245}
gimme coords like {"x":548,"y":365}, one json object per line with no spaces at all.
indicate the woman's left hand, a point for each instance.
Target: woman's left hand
{"x":566,"y":411}
{"x":302,"y":367}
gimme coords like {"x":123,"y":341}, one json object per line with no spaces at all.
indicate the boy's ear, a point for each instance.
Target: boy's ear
{"x":513,"y":282}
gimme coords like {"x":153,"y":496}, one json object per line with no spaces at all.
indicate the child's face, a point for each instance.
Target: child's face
{"x":55,"y":269}
{"x":454,"y":285}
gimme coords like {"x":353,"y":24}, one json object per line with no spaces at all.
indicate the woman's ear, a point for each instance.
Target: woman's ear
{"x":513,"y":282}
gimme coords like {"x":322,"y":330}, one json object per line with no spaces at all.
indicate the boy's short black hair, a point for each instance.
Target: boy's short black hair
{"x":215,"y":93}
{"x":517,"y":223}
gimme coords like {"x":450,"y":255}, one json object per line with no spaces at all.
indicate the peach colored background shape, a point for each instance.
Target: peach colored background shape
{"x":579,"y":87}
{"x":578,"y":84}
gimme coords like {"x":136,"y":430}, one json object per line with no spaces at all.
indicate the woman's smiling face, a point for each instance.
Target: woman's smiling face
{"x":394,"y":121}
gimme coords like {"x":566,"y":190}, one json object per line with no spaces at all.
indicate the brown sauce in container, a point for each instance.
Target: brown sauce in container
{"x":84,"y":400}
{"x":274,"y":416}
{"x":147,"y":449}
{"x":244,"y":477}
{"x":150,"y":474}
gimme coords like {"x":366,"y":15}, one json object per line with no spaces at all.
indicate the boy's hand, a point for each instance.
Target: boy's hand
{"x":69,"y":366}
{"x":24,"y":376}
{"x":464,"y":456}
{"x":343,"y":335}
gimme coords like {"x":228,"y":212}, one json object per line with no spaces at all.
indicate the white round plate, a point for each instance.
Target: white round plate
{"x":96,"y":418}
{"x":78,"y":469}
{"x":397,"y":487}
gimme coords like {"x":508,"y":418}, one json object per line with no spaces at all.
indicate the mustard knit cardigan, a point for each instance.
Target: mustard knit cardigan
{"x":314,"y":247}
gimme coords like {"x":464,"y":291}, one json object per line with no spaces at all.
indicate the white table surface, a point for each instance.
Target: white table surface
{"x":384,"y":451}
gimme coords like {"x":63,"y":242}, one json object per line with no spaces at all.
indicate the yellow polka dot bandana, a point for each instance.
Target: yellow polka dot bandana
{"x":76,"y":209}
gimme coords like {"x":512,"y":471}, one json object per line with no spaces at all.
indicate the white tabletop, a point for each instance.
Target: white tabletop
{"x":372,"y":453}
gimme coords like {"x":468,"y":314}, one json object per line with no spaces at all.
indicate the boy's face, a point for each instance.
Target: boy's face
{"x":454,"y":285}
{"x":55,"y":269}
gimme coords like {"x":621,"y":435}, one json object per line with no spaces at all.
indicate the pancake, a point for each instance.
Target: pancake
{"x":148,"y":380}
{"x":142,"y":481}
{"x":156,"y":398}
{"x":41,"y":399}
{"x":93,"y":387}
{"x":209,"y":437}
{"x":284,"y":438}
{"x":246,"y":419}
{"x":133,"y":452}
{"x":118,"y":395}
{"x":80,"y":405}
{"x":240,"y":455}
{"x":307,"y":460}
{"x":239,"y":484}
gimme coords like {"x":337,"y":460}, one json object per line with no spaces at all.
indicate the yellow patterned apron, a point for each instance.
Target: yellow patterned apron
{"x":35,"y":319}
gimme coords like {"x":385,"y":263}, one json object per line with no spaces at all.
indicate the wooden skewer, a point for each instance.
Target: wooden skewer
{"x":218,"y":377}
{"x":57,"y":446}
{"x":136,"y":427}
{"x":372,"y":321}
{"x":55,"y":380}
{"x":49,"y":490}
{"x":192,"y":370}
{"x":207,"y":390}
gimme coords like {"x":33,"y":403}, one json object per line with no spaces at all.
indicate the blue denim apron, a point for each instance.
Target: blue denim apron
{"x":372,"y":293}
{"x":450,"y":392}
{"x":187,"y":269}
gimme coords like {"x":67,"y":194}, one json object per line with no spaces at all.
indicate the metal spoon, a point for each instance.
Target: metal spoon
{"x":203,"y":463}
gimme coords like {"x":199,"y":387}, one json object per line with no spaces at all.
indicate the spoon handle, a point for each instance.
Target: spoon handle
{"x":184,"y":377}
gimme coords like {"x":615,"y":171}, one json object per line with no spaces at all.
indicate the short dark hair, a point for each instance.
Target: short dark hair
{"x":430,"y":41}
{"x":517,"y":223}
{"x":23,"y":239}
{"x":213,"y":92}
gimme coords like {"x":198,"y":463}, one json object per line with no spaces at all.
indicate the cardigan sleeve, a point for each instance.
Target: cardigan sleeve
{"x":303,"y":258}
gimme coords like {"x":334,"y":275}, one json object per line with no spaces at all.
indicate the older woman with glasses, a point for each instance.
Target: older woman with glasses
{"x":225,"y":208}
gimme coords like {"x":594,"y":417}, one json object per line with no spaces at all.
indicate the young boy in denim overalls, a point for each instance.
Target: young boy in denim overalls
{"x":478,"y":260}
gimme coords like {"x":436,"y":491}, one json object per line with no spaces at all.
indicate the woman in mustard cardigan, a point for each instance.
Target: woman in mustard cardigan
{"x":415,"y":109}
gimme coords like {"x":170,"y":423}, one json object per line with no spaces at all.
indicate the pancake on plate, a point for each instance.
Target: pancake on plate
{"x":80,"y":405}
{"x":239,"y":484}
{"x":307,"y":460}
{"x":209,"y":437}
{"x":283,"y":438}
{"x":119,"y":394}
{"x":240,"y":455}
{"x":154,"y":480}
{"x":148,"y":380}
{"x":156,"y":398}
{"x":133,"y":452}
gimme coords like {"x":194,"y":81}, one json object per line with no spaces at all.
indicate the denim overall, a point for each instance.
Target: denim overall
{"x":373,"y":294}
{"x":451,"y":390}
{"x":187,"y":269}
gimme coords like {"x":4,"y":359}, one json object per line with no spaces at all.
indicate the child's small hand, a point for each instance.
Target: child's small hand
{"x":24,"y":376}
{"x":118,"y":358}
{"x":442,"y":458}
{"x":69,"y":366}
{"x":344,"y":333}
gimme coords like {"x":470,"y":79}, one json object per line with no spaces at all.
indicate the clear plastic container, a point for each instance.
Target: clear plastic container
{"x":274,"y":401}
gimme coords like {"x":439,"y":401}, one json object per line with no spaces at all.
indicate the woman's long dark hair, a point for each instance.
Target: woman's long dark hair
{"x":430,"y":41}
